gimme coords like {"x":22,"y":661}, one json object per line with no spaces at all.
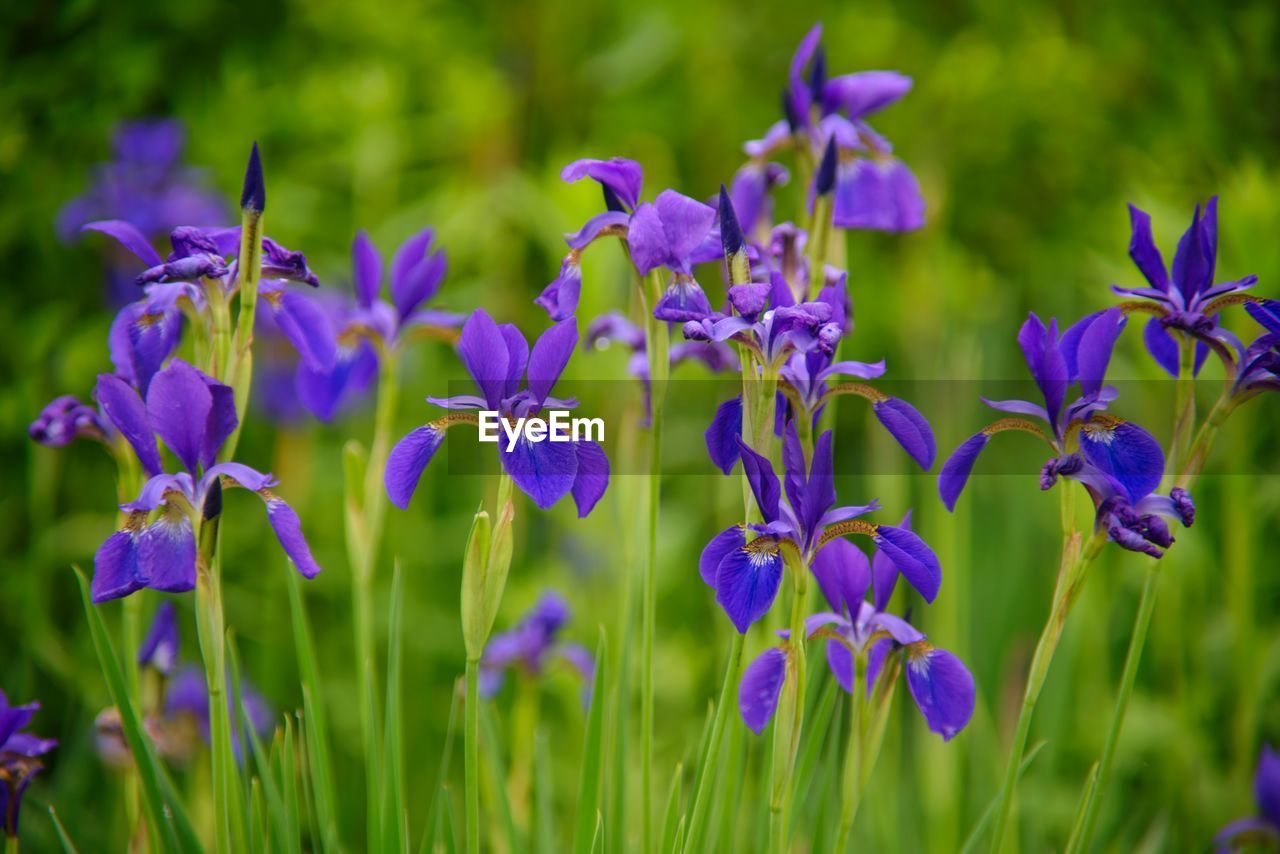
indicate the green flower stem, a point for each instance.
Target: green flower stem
{"x":211,"y":626}
{"x":1205,"y":437}
{"x":1072,"y":571}
{"x":1184,"y":406}
{"x":248,"y":273}
{"x":855,"y":775}
{"x":789,"y":728}
{"x":1137,"y":640}
{"x":703,"y":798}
{"x":657,"y":348}
{"x":471,"y":758}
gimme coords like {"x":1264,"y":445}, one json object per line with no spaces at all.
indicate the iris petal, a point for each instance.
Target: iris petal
{"x":942,"y":687}
{"x":955,"y":471}
{"x":760,"y":688}
{"x":407,"y":461}
{"x":747,"y":582}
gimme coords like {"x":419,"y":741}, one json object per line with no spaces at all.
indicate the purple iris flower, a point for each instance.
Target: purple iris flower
{"x":147,"y":185}
{"x":872,"y":188}
{"x":499,"y":359}
{"x":613,"y":327}
{"x":1259,"y":366}
{"x":20,"y":761}
{"x":65,"y":419}
{"x":372,"y":324}
{"x":940,"y":684}
{"x":746,"y":572}
{"x":187,"y":696}
{"x":146,"y":332}
{"x":193,"y":414}
{"x":1264,"y":828}
{"x":1187,"y":301}
{"x":670,"y":232}
{"x":533,"y":643}
{"x":1119,"y":462}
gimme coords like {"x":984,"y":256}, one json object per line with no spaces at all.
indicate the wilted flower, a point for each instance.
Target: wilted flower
{"x":65,"y":419}
{"x":498,"y":359}
{"x":20,"y":761}
{"x":532,"y":644}
{"x":194,"y":415}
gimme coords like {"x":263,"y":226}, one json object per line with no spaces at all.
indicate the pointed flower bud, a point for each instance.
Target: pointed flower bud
{"x":254,"y":195}
{"x":735,"y":252}
{"x":788,"y":109}
{"x":825,"y":179}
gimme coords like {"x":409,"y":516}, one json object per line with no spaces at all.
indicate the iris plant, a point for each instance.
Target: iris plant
{"x":1264,"y":828}
{"x":20,"y":760}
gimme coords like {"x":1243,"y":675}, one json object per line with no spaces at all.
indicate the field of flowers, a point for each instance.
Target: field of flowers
{"x":675,"y":427}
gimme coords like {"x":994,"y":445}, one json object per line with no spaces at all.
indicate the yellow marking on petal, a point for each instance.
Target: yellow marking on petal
{"x":847,"y":527}
{"x":447,"y":421}
{"x":1014,"y":424}
{"x":860,"y":389}
{"x":1141,"y":307}
{"x":1228,"y":300}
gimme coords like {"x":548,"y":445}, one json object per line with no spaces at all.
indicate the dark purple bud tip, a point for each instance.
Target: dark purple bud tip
{"x":1185,"y":506}
{"x":789,"y":110}
{"x":818,"y":74}
{"x":254,"y":195}
{"x":213,"y":500}
{"x":825,"y":180}
{"x":730,"y":230}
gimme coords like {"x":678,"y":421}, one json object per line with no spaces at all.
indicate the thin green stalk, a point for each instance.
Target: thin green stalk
{"x":1185,"y":405}
{"x":657,"y":347}
{"x":702,"y":799}
{"x":471,"y":758}
{"x":211,"y":626}
{"x":790,"y":727}
{"x":854,"y":776}
{"x":1071,"y":574}
{"x":1138,"y":640}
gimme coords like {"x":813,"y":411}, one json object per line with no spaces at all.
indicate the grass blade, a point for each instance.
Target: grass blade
{"x":543,"y":796}
{"x":265,"y":783}
{"x":393,"y":812}
{"x":316,"y":727}
{"x":589,"y":788}
{"x":68,"y":847}
{"x":497,"y":790}
{"x":672,"y":816}
{"x":980,"y":828}
{"x":440,"y":801}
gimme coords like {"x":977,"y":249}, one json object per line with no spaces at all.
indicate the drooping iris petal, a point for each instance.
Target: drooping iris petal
{"x":722,"y":435}
{"x":406,"y":462}
{"x":366,"y":268}
{"x":685,"y":222}
{"x":129,"y":414}
{"x":1161,"y":345}
{"x":955,"y":471}
{"x":129,"y":237}
{"x":483,"y":349}
{"x":167,"y":553}
{"x":909,"y":428}
{"x":560,"y":298}
{"x":1143,"y":251}
{"x":763,"y":481}
{"x":683,"y":301}
{"x":326,"y":393}
{"x":722,"y":544}
{"x":622,"y":176}
{"x":1127,"y":453}
{"x":942,"y":687}
{"x":747,"y":582}
{"x":843,"y":573}
{"x":550,"y":354}
{"x":877,"y":195}
{"x":284,"y":521}
{"x":545,"y":471}
{"x":884,"y":572}
{"x":307,"y":327}
{"x":179,"y":404}
{"x":900,"y":630}
{"x":840,"y":660}
{"x":591,"y":478}
{"x":116,"y":571}
{"x":760,"y":687}
{"x":913,"y":557}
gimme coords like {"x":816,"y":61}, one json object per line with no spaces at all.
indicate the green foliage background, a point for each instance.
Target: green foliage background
{"x":1030,"y":126}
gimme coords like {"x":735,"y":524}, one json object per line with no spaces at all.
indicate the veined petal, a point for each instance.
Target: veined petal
{"x":683,"y":301}
{"x":307,"y":327}
{"x":545,"y":471}
{"x":685,"y":222}
{"x":284,"y":521}
{"x":129,"y":237}
{"x":884,"y":572}
{"x":1126,"y":452}
{"x":179,"y":404}
{"x":592,"y":477}
{"x":763,"y":481}
{"x":646,"y":239}
{"x":1143,"y":251}
{"x":955,"y":471}
{"x":167,"y":553}
{"x":406,"y":462}
{"x":116,"y":572}
{"x":913,"y":557}
{"x":747,"y":582}
{"x":909,"y":428}
{"x":624,"y":177}
{"x":942,"y":687}
{"x":865,"y":92}
{"x":722,"y":544}
{"x":129,"y":415}
{"x":843,"y":574}
{"x":760,"y":687}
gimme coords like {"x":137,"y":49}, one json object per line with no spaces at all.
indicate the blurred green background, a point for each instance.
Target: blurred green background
{"x":1030,"y":126}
